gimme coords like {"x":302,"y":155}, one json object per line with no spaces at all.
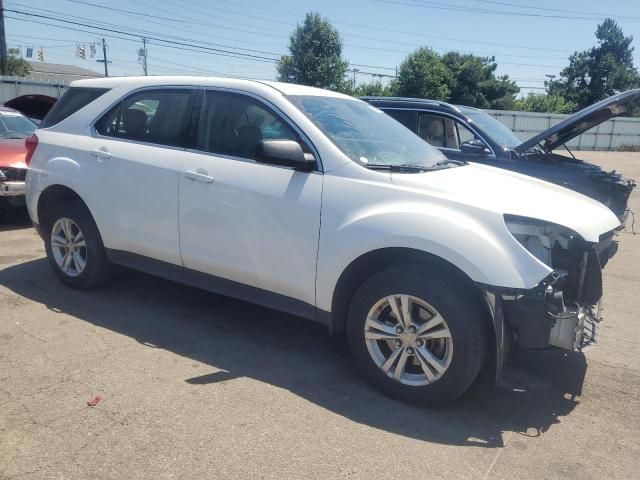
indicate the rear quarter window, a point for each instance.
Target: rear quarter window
{"x":71,"y":101}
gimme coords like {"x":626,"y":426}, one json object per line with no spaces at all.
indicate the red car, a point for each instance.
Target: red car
{"x":14,"y":128}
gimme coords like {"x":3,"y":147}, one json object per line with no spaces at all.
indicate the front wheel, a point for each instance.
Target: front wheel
{"x":418,"y":333}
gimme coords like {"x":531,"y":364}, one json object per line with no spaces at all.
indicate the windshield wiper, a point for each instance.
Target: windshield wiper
{"x":449,"y":161}
{"x":397,"y":168}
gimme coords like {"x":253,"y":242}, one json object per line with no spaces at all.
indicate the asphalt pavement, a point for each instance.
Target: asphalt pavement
{"x":195,"y":385}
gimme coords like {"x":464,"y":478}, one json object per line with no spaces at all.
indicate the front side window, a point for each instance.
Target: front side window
{"x":443,"y":132}
{"x":364,"y":133}
{"x":160,"y":116}
{"x":233,"y":124}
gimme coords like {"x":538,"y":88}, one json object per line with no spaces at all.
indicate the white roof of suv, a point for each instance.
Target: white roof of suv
{"x":137,"y":82}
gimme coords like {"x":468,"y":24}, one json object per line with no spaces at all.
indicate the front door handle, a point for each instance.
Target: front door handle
{"x":200,"y":175}
{"x":101,"y":153}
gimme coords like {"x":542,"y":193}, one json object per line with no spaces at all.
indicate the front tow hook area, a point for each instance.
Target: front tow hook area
{"x":576,"y":328}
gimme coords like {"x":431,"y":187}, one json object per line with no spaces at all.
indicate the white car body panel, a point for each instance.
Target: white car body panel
{"x":260,"y":225}
{"x":133,"y":196}
{"x":253,"y":224}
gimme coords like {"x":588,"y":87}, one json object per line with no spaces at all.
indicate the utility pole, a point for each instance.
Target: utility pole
{"x":3,"y":42}
{"x":142,"y":55}
{"x":355,"y":71}
{"x":144,"y":45}
{"x":104,"y":58}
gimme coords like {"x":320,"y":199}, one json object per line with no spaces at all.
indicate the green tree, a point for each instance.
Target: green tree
{"x":316,"y":55}
{"x":423,"y":75}
{"x":545,"y":103}
{"x":16,"y":65}
{"x":374,"y":89}
{"x":599,"y":72}
{"x":473,"y":82}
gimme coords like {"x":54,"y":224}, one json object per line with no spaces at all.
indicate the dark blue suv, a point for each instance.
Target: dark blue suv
{"x":469,"y":134}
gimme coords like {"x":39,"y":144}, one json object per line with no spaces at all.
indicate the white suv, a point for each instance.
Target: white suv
{"x":320,"y":205}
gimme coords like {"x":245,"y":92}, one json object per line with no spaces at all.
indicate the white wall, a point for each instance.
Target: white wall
{"x":609,"y":135}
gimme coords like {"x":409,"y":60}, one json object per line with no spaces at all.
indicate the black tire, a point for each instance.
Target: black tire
{"x":98,"y":269}
{"x":465,"y":317}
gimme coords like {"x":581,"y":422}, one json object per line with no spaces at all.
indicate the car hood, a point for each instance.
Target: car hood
{"x":505,"y":192}
{"x":32,"y":106}
{"x":582,"y":121}
{"x":12,"y":153}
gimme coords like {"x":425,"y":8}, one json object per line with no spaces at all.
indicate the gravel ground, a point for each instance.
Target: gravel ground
{"x":195,"y":385}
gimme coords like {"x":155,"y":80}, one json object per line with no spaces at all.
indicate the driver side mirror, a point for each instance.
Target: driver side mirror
{"x":475,"y":147}
{"x":287,"y":153}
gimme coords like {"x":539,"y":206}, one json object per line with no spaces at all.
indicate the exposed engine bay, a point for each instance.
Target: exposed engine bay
{"x":564,"y":310}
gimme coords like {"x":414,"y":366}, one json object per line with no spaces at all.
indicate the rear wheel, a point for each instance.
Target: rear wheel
{"x":418,"y":334}
{"x":74,"y":246}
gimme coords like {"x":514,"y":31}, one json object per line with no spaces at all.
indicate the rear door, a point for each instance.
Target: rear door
{"x":135,"y":158}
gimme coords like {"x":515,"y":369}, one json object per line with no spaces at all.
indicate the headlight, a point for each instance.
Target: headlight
{"x":538,"y":236}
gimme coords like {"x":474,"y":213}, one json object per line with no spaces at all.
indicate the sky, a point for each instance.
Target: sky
{"x":529,"y":40}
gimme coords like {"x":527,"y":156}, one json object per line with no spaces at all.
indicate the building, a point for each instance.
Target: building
{"x":55,"y":73}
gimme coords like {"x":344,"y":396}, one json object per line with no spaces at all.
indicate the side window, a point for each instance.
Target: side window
{"x":71,"y":101}
{"x":433,"y":129}
{"x":234,"y":124}
{"x":443,"y":132}
{"x":160,"y":116}
{"x":405,"y":117}
{"x":464,"y":133}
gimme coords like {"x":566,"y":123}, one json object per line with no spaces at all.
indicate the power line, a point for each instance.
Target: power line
{"x":145,"y":33}
{"x":377,"y":28}
{"x":519,"y":5}
{"x":217,"y":51}
{"x":292,"y":25}
{"x":467,"y":9}
{"x":141,"y":32}
{"x":190,"y":44}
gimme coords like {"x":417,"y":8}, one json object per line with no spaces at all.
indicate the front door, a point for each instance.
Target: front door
{"x":243,"y":221}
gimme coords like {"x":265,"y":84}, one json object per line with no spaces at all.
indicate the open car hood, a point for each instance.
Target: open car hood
{"x":582,"y":121}
{"x":32,"y":106}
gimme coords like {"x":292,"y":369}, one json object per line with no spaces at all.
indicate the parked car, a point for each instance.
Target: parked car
{"x":470,"y":134}
{"x":318,"y":204}
{"x":34,"y":107}
{"x":14,"y":129}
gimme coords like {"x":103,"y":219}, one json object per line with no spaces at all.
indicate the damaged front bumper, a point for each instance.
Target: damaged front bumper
{"x":544,"y":317}
{"x":563,"y":311}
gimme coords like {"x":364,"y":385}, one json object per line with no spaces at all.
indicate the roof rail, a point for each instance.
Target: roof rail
{"x":413,"y":100}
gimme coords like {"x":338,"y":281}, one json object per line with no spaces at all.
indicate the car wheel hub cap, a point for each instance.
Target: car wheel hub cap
{"x":68,"y":247}
{"x":408,"y":339}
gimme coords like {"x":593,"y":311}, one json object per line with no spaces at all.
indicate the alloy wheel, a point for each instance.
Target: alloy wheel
{"x":69,"y":247}
{"x":408,"y":339}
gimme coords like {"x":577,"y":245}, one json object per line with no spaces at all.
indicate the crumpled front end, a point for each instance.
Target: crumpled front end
{"x":613,"y":189}
{"x":563,"y":310}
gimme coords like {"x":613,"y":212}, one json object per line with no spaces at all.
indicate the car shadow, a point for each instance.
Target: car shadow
{"x":14,"y":219}
{"x":239,"y":339}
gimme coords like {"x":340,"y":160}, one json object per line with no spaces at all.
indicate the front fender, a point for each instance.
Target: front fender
{"x":475,"y":241}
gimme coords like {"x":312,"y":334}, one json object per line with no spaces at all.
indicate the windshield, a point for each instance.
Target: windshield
{"x":492,"y":127}
{"x":365,"y":134}
{"x":14,"y":125}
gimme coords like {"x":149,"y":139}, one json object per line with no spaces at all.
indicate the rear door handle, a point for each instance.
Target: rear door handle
{"x":200,"y":175}
{"x":101,"y":153}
